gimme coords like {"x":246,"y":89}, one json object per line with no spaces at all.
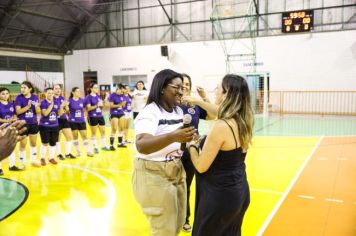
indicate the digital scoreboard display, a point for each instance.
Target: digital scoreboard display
{"x":297,"y":21}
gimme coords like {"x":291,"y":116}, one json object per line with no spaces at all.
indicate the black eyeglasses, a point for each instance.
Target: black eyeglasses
{"x":176,"y":87}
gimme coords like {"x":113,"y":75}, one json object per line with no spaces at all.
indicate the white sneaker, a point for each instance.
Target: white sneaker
{"x":22,"y":166}
{"x":187,"y":227}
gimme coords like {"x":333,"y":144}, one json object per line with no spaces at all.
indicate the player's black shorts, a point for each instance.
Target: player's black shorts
{"x":49,"y":135}
{"x":78,"y":126}
{"x":63,"y":124}
{"x":32,"y":129}
{"x":94,"y":121}
{"x":116,"y":116}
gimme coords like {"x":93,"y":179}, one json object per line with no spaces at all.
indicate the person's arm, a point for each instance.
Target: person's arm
{"x":65,"y":104}
{"x":37,"y":107}
{"x":19,"y":126}
{"x":61,"y":109}
{"x":8,"y":140}
{"x":147,"y":143}
{"x":212,"y":145}
{"x":90,"y":107}
{"x":9,"y":137}
{"x":46,"y":111}
{"x":5,"y":120}
{"x":211,"y":109}
{"x":146,"y":126}
{"x":113,"y":106}
{"x":13,"y":118}
{"x":20,"y":110}
{"x":202,"y":94}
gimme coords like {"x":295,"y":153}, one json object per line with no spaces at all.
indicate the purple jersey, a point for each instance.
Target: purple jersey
{"x":52,"y":119}
{"x":93,"y":101}
{"x":60,"y":100}
{"x":30,"y":115}
{"x":128,"y":105}
{"x":196,"y":112}
{"x":76,"y":111}
{"x":7,"y":111}
{"x":116,"y":99}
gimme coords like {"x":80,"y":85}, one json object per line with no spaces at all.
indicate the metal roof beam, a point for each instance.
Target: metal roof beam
{"x":165,"y":12}
{"x":12,"y":17}
{"x":93,"y":17}
{"x":46,"y":16}
{"x":77,"y":32}
{"x":67,"y":10}
{"x":6,"y":8}
{"x":50,"y":33}
{"x":17,"y":36}
{"x":37,"y":32}
{"x":173,"y":25}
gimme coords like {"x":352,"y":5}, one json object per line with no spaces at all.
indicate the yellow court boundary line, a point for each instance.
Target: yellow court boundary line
{"x":281,"y":200}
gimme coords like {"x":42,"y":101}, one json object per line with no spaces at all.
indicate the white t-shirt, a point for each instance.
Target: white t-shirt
{"x":139,"y":99}
{"x":155,"y":121}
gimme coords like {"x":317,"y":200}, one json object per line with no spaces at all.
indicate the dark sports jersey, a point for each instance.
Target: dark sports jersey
{"x":128,"y":100}
{"x":30,"y":115}
{"x":116,"y":99}
{"x":60,"y":100}
{"x":7,"y":111}
{"x":52,"y":119}
{"x":196,"y":112}
{"x":93,"y":101}
{"x":76,"y":111}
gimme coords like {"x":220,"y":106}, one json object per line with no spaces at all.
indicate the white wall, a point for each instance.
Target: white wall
{"x":319,"y":61}
{"x":322,"y":61}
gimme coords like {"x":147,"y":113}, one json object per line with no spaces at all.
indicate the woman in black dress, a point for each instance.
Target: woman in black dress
{"x":222,"y":190}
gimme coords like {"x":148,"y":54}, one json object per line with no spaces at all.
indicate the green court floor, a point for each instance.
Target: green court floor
{"x":12,"y":195}
{"x":305,"y":126}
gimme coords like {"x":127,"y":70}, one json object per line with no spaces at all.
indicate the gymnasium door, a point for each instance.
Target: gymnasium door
{"x":89,"y":77}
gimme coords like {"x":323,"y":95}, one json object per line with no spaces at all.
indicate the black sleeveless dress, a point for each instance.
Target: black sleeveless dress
{"x":222,"y":195}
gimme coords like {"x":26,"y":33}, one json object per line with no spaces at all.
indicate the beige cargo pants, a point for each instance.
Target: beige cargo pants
{"x":160,"y":189}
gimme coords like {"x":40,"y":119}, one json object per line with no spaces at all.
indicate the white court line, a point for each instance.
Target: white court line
{"x":281,"y":200}
{"x":342,"y":159}
{"x":129,"y":173}
{"x":306,"y":197}
{"x":266,"y":191}
{"x":321,"y":158}
{"x":341,"y":136}
{"x":333,"y":200}
{"x":112,"y":193}
{"x":111,"y":170}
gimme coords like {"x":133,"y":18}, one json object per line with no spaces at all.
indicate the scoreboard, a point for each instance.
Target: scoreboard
{"x":297,"y":21}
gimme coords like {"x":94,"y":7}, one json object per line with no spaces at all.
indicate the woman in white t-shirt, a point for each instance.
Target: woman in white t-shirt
{"x":139,"y":98}
{"x":159,"y":177}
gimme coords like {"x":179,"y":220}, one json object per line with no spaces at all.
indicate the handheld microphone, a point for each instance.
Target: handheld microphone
{"x":187,"y":119}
